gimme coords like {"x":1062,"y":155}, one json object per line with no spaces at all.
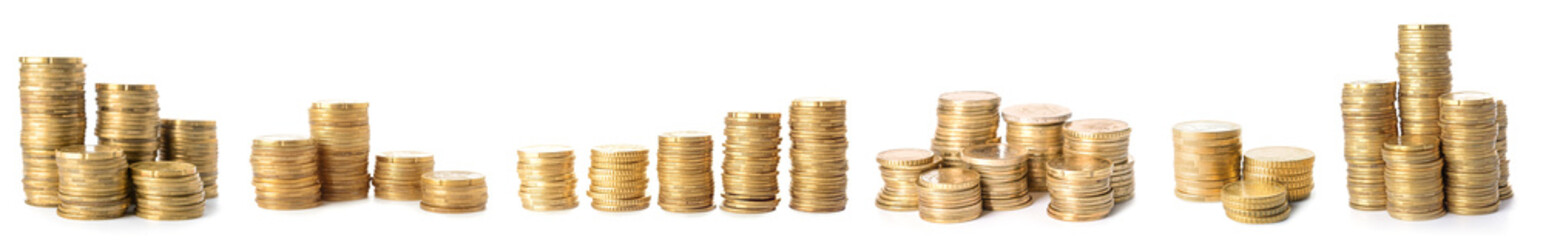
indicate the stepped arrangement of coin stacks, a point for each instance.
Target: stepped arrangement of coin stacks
{"x":965,"y":119}
{"x":949,"y":195}
{"x":1502,"y":122}
{"x":1370,"y":118}
{"x":285,"y":172}
{"x":167,"y":190}
{"x":399,"y":174}
{"x":1036,"y":128}
{"x":1424,"y":73}
{"x":1292,"y":167}
{"x":1256,"y":202}
{"x":1206,"y":156}
{"x":341,"y":130}
{"x":618,"y":178}
{"x":455,"y":192}
{"x":546,"y":178}
{"x":93,"y":182}
{"x":193,"y":142}
{"x":750,"y":157}
{"x":1106,"y":139}
{"x":685,"y":171}
{"x":1468,"y":135}
{"x":1003,"y":174}
{"x":53,"y":115}
{"x":128,"y":117}
{"x":1413,"y":175}
{"x":900,"y":168}
{"x":818,"y":132}
{"x":1080,"y":189}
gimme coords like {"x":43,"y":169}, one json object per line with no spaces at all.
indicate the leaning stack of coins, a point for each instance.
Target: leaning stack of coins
{"x":285,"y":172}
{"x":818,"y":131}
{"x":900,"y":167}
{"x":1370,"y":119}
{"x":167,"y":190}
{"x":965,"y":119}
{"x":454,"y":192}
{"x":93,"y":182}
{"x":1003,"y":175}
{"x":1468,"y":134}
{"x":1501,"y":122}
{"x":1036,"y":128}
{"x":949,"y":195}
{"x":1414,"y":178}
{"x":342,"y":133}
{"x":686,"y":171}
{"x":1106,"y":139}
{"x":398,"y":174}
{"x":128,"y":118}
{"x":618,"y":178}
{"x":546,"y":178}
{"x":1206,"y":156}
{"x":53,"y":115}
{"x":1292,"y":167}
{"x":1424,"y":74}
{"x":193,"y":141}
{"x":1079,"y":189}
{"x":1256,"y":202}
{"x":750,"y":156}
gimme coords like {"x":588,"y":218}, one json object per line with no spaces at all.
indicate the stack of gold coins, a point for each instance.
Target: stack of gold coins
{"x":1415,"y":191}
{"x":454,"y":192}
{"x":53,"y":115}
{"x":128,"y":118}
{"x":1292,"y":167}
{"x":342,"y":133}
{"x":818,"y":131}
{"x":965,"y":119}
{"x":949,"y":195}
{"x":1079,"y":189}
{"x":1424,"y":73}
{"x":686,"y":171}
{"x":93,"y":182}
{"x":618,"y":178}
{"x":398,"y":174}
{"x":285,"y":172}
{"x":1003,"y":173}
{"x":1256,"y":202}
{"x":750,"y":156}
{"x":167,"y":190}
{"x":1036,"y":128}
{"x":1106,"y":139}
{"x":900,"y":167}
{"x":193,"y":141}
{"x":1206,"y":156}
{"x":1468,"y":134}
{"x":1370,"y":119}
{"x":546,"y":178}
{"x":1500,"y":150}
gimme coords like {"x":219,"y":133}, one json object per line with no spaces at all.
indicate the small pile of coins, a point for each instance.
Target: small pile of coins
{"x":342,"y":133}
{"x":1370,"y":119}
{"x":750,"y":157}
{"x":1003,"y":174}
{"x":1468,"y":135}
{"x":546,"y":178}
{"x":1036,"y":128}
{"x":1079,"y":189}
{"x":93,"y":182}
{"x":949,"y":195}
{"x":167,"y":190}
{"x":1206,"y":157}
{"x":618,"y":178}
{"x":53,"y":115}
{"x":128,"y":117}
{"x":398,"y":174}
{"x":1502,"y":123}
{"x":454,"y":192}
{"x":1256,"y":202}
{"x":686,"y":171}
{"x":1292,"y":167}
{"x":1424,"y":73}
{"x":193,"y":141}
{"x":1415,"y":191}
{"x":965,"y":119}
{"x":284,"y":172}
{"x":900,"y":168}
{"x":1106,"y":139}
{"x":818,"y":132}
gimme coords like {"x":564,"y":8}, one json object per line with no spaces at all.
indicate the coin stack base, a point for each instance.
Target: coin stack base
{"x":1079,"y":189}
{"x":53,"y":115}
{"x":546,"y":178}
{"x":284,"y":172}
{"x":1369,"y":120}
{"x":1414,"y":178}
{"x":618,"y":177}
{"x":949,"y":195}
{"x":399,"y":174}
{"x":1003,"y":174}
{"x":1292,"y":167}
{"x":167,"y":190}
{"x":341,"y":130}
{"x":965,"y":119}
{"x":1106,"y":139}
{"x":900,"y":168}
{"x":93,"y":182}
{"x":193,"y":141}
{"x":750,"y":158}
{"x":1256,"y":202}
{"x":1205,"y":158}
{"x":818,"y":132}
{"x":1036,"y":128}
{"x":1469,"y":131}
{"x":454,"y":192}
{"x":686,"y":171}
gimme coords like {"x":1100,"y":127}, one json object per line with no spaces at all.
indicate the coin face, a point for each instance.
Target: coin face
{"x":950,"y":176}
{"x":546,"y":149}
{"x":905,"y":154}
{"x":282,"y":138}
{"x":405,"y":154}
{"x":1036,"y":113}
{"x":1278,"y":154}
{"x":454,"y":175}
{"x":1097,"y":125}
{"x":1207,"y":126}
{"x":1470,"y":96}
{"x":686,"y":134}
{"x":616,"y":148}
{"x":969,"y":96}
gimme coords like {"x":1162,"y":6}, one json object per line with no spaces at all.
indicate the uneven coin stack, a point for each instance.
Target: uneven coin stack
{"x":1206,"y":157}
{"x":1256,"y":202}
{"x":1292,"y":167}
{"x":285,"y":172}
{"x":1106,"y":139}
{"x":1468,"y":135}
{"x":818,"y":132}
{"x":1415,"y":191}
{"x":1502,"y":123}
{"x":750,"y":156}
{"x":685,"y":171}
{"x":454,"y":192}
{"x":1424,"y":73}
{"x":965,"y":119}
{"x":618,"y":178}
{"x":194,"y":142}
{"x":1079,"y":189}
{"x":1003,"y":174}
{"x":1370,"y":118}
{"x":93,"y":182}
{"x":949,"y":195}
{"x":167,"y":190}
{"x":53,"y":115}
{"x":341,"y":130}
{"x":546,"y":178}
{"x":900,"y":168}
{"x":1036,"y":128}
{"x":128,"y":117}
{"x":399,"y":174}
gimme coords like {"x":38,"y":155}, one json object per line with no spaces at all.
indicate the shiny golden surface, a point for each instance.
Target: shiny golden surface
{"x":1079,"y":188}
{"x":1003,"y":174}
{"x":750,"y":158}
{"x":818,"y":132}
{"x":93,"y":182}
{"x":167,"y":190}
{"x":1367,"y":108}
{"x":341,"y":130}
{"x":454,"y":192}
{"x":1502,"y":123}
{"x":285,"y":172}
{"x":546,"y":178}
{"x":685,"y":171}
{"x":1414,"y":178}
{"x":1206,"y":156}
{"x":1469,"y":133}
{"x":128,"y":118}
{"x":965,"y":119}
{"x":398,"y":174}
{"x":949,"y":195}
{"x":1256,"y":202}
{"x":1424,"y":75}
{"x":53,"y":115}
{"x":1105,"y":139}
{"x":195,"y":142}
{"x":1292,"y":167}
{"x":618,"y":178}
{"x":900,"y":169}
{"x":1036,"y":128}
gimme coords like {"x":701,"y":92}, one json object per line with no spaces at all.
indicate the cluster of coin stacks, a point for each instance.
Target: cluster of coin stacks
{"x":965,"y":119}
{"x":949,"y":195}
{"x":685,"y":171}
{"x":93,"y":182}
{"x":546,"y":178}
{"x":1370,"y":119}
{"x":454,"y":192}
{"x":53,"y":115}
{"x":1500,"y":150}
{"x":1003,"y":175}
{"x":285,"y":172}
{"x":1206,"y":157}
{"x":618,"y":178}
{"x":1256,"y":202}
{"x":1424,"y":73}
{"x":167,"y":190}
{"x":1036,"y":128}
{"x":1468,"y":134}
{"x":342,"y":133}
{"x":399,"y":174}
{"x":750,"y":156}
{"x":900,"y":168}
{"x":1106,"y":139}
{"x":1079,"y":189}
{"x":1292,"y":167}
{"x":128,"y":117}
{"x":817,"y":127}
{"x":194,"y":142}
{"x":1413,"y":176}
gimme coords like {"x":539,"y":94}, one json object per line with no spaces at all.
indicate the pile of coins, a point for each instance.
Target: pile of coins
{"x":1500,"y":150}
{"x":618,"y":178}
{"x":1036,"y":128}
{"x":1003,"y":174}
{"x":342,"y":133}
{"x":1206,"y":157}
{"x":284,"y":172}
{"x":128,"y":117}
{"x":53,"y":115}
{"x":1292,"y":167}
{"x":398,"y":174}
{"x":1256,"y":202}
{"x":1424,"y":73}
{"x":900,"y":168}
{"x":1079,"y":189}
{"x":818,"y":131}
{"x":1413,"y":176}
{"x":194,"y":142}
{"x":965,"y":119}
{"x":949,"y":195}
{"x":750,"y":156}
{"x":93,"y":182}
{"x":546,"y":178}
{"x":1370,"y":119}
{"x":1468,"y":135}
{"x":1106,"y":139}
{"x":454,"y":192}
{"x":167,"y":190}
{"x":686,"y":171}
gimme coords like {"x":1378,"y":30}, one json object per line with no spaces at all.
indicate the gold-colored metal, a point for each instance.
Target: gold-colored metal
{"x":1370,"y":119}
{"x":1292,"y":167}
{"x":128,"y":118}
{"x":1424,"y":75}
{"x":1003,"y":173}
{"x":818,"y":132}
{"x":1413,"y":176}
{"x":900,"y":168}
{"x":546,"y":178}
{"x":1469,"y":133}
{"x":750,"y":158}
{"x":195,"y":142}
{"x":949,"y":195}
{"x":285,"y":172}
{"x":53,"y":115}
{"x":93,"y":182}
{"x":1079,"y":188}
{"x":1256,"y":202}
{"x":618,"y":178}
{"x":1500,"y":149}
{"x":454,"y":192}
{"x":686,"y":171}
{"x":1206,"y":156}
{"x":398,"y":174}
{"x":965,"y":119}
{"x":167,"y":190}
{"x":1105,"y":139}
{"x":341,"y":130}
{"x":1036,"y":128}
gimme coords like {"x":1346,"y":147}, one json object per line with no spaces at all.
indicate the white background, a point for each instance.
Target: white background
{"x":472,"y":81}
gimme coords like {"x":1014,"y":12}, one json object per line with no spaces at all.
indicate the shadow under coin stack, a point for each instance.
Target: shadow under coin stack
{"x":965,"y":119}
{"x":93,"y":182}
{"x":750,"y":157}
{"x":900,"y":167}
{"x":399,"y":174}
{"x":1468,"y":134}
{"x":1256,"y":202}
{"x":1036,"y":128}
{"x":454,"y":192}
{"x":167,"y":190}
{"x":1003,"y":174}
{"x":1206,"y":157}
{"x":1079,"y":189}
{"x":618,"y":178}
{"x":1415,"y":191}
{"x":1370,"y":119}
{"x":1502,"y":123}
{"x":1424,"y":74}
{"x":53,"y":115}
{"x":285,"y":172}
{"x":194,"y":142}
{"x":546,"y":178}
{"x":818,"y":132}
{"x":686,"y":171}
{"x":128,"y":117}
{"x":949,"y":195}
{"x":1292,"y":167}
{"x":342,"y":133}
{"x":1106,"y":139}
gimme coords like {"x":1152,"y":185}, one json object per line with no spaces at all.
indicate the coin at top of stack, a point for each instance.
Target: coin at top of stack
{"x":1424,"y":75}
{"x":399,"y":174}
{"x":1003,"y":174}
{"x":1106,"y":139}
{"x":686,"y":171}
{"x":93,"y":182}
{"x":1256,"y":202}
{"x":1079,"y":189}
{"x":454,"y":192}
{"x":618,"y":178}
{"x":1292,"y":167}
{"x":965,"y":119}
{"x":53,"y":115}
{"x":1413,"y":176}
{"x":750,"y":158}
{"x":285,"y":172}
{"x":1370,"y":118}
{"x":193,"y":141}
{"x":949,"y":195}
{"x":342,"y":133}
{"x":1468,"y":135}
{"x":128,"y":117}
{"x":1206,"y":157}
{"x":818,"y":132}
{"x":900,"y":168}
{"x":1036,"y":128}
{"x":167,"y":190}
{"x":546,"y":178}
{"x":1502,"y":122}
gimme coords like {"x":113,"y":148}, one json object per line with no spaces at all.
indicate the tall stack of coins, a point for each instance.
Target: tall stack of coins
{"x":1036,"y":128}
{"x":965,"y":119}
{"x":1468,"y":135}
{"x":93,"y":182}
{"x":342,"y":133}
{"x":818,"y":131}
{"x":53,"y":115}
{"x":1079,"y":189}
{"x":1106,"y":139}
{"x":1206,"y":157}
{"x":167,"y":190}
{"x":546,"y":178}
{"x":1256,"y":202}
{"x":193,"y":141}
{"x":1415,"y":191}
{"x":1424,"y":73}
{"x":949,"y":195}
{"x":128,"y":118}
{"x":1292,"y":167}
{"x":1502,"y":123}
{"x":399,"y":174}
{"x":285,"y":172}
{"x":454,"y":192}
{"x":618,"y":178}
{"x":750,"y":156}
{"x":900,"y":167}
{"x":1003,"y":174}
{"x":686,"y":171}
{"x":1370,"y":119}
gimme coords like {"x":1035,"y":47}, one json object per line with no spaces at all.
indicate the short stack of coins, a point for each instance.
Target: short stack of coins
{"x":128,"y":117}
{"x":1004,"y":180}
{"x":817,"y":128}
{"x":1106,"y":139}
{"x":93,"y":182}
{"x":1036,"y":128}
{"x":193,"y":141}
{"x":1370,"y":118}
{"x":285,"y":172}
{"x":1468,"y":134}
{"x":53,"y":115}
{"x":454,"y":192}
{"x":167,"y":190}
{"x":399,"y":174}
{"x":900,"y":168}
{"x":546,"y":178}
{"x":685,"y":171}
{"x":1502,"y":123}
{"x":618,"y":178}
{"x":1206,"y":157}
{"x":342,"y":133}
{"x":949,"y":195}
{"x":1256,"y":202}
{"x":1292,"y":167}
{"x":1413,"y":176}
{"x":1424,"y":73}
{"x":750,"y":157}
{"x":965,"y":119}
{"x":1079,"y":189}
